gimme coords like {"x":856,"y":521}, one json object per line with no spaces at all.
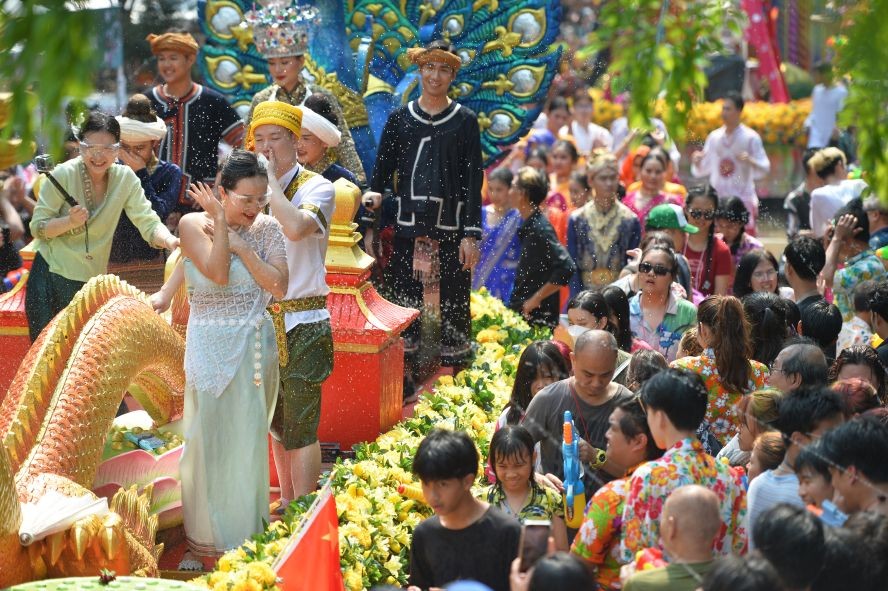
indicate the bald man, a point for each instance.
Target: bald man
{"x":591,"y":396}
{"x":689,"y":525}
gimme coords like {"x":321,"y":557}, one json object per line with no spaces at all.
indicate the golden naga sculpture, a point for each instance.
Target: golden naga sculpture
{"x":53,"y":424}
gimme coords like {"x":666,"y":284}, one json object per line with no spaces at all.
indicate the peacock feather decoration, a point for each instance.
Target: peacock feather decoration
{"x":358,"y":51}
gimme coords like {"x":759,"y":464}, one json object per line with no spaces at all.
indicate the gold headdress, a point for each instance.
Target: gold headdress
{"x":274,"y":113}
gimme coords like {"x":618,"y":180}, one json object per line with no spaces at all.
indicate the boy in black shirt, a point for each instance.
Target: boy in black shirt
{"x":544,"y":266}
{"x":466,"y":538}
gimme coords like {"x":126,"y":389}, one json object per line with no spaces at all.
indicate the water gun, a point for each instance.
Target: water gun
{"x":574,"y":491}
{"x":649,"y":559}
{"x":829,"y":514}
{"x":412,"y":491}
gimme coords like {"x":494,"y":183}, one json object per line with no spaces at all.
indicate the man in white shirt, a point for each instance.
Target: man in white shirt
{"x":587,"y":135}
{"x":827,"y":101}
{"x":733,"y":158}
{"x":303,"y":202}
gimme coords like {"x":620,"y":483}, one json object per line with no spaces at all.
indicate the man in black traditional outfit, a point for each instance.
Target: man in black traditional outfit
{"x":430,"y":155}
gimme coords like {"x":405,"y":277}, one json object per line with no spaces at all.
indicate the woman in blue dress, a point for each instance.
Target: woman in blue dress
{"x":500,"y":247}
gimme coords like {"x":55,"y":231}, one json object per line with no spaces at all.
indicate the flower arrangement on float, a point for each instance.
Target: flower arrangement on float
{"x":377,"y":499}
{"x":777,"y":123}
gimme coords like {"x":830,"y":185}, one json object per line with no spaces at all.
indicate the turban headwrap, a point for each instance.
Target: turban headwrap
{"x":274,"y":113}
{"x":421,"y":56}
{"x":325,"y":131}
{"x":180,"y":42}
{"x":133,"y":130}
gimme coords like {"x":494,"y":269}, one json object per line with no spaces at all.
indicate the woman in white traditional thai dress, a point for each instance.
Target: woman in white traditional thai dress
{"x":235,"y":261}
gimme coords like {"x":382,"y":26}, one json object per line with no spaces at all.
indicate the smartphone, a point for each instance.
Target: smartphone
{"x":534,"y":542}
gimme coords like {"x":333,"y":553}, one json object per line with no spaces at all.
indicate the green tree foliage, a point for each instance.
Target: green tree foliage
{"x":49,"y":55}
{"x":659,"y":49}
{"x":863,"y":56}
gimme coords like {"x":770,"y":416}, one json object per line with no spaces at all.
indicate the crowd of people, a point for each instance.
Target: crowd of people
{"x":729,"y":406}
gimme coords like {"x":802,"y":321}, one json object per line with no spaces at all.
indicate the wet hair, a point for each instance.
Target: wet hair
{"x":240,"y":164}
{"x":861,"y":442}
{"x":569,"y":146}
{"x":734,"y":210}
{"x":761,"y":407}
{"x":321,"y":104}
{"x":590,"y":301}
{"x":822,"y":322}
{"x":879,"y":300}
{"x":139,"y":108}
{"x":811,"y":457}
{"x":746,"y":267}
{"x":859,"y":395}
{"x":680,"y":394}
{"x":618,"y":305}
{"x":634,"y":423}
{"x":724,"y":317}
{"x":768,"y":326}
{"x":861,"y":355}
{"x":643,"y":365}
{"x":501,"y":174}
{"x":806,"y":360}
{"x":802,"y":410}
{"x":539,"y":356}
{"x":445,"y":454}
{"x":860,"y":295}
{"x":96,"y":121}
{"x":561,"y":571}
{"x":791,"y":538}
{"x":736,"y":98}
{"x":534,"y":183}
{"x":770,"y":449}
{"x":705,"y":192}
{"x":689,"y":343}
{"x":511,"y":441}
{"x":741,"y":573}
{"x":807,"y":257}
{"x":825,"y":161}
{"x":861,"y":231}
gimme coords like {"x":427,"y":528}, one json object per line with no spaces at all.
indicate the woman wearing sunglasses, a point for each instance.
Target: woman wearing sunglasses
{"x":730,"y":223}
{"x":655,"y":314}
{"x":709,"y":257}
{"x":73,"y":242}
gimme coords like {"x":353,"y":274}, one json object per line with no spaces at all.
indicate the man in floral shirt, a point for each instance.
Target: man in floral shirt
{"x":629,"y":443}
{"x":676,"y":402}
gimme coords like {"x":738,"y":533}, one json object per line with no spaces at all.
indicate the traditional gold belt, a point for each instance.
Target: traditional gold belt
{"x":279,"y":309}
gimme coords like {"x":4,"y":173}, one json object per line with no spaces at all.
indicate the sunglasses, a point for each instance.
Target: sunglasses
{"x":658,"y":270}
{"x":706,"y":214}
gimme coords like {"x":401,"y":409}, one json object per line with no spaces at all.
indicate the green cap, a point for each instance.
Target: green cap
{"x":669,"y":216}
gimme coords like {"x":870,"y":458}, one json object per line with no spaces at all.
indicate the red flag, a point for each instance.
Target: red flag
{"x":758,"y":36}
{"x":310,"y":562}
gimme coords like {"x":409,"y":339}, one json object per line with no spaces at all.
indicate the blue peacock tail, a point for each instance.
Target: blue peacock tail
{"x":358,"y":51}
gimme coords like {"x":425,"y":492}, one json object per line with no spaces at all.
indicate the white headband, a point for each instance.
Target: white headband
{"x":136,"y":131}
{"x":321,"y":127}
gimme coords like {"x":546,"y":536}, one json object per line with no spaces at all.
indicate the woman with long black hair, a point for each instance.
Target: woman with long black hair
{"x":708,"y":256}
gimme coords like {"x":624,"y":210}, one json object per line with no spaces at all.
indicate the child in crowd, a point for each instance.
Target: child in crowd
{"x":466,"y":538}
{"x":512,"y":455}
{"x":767,"y":454}
{"x":815,"y":482}
{"x":689,"y":346}
{"x":500,"y":247}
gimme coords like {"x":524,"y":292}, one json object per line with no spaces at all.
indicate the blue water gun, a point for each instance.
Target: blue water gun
{"x":574,"y":491}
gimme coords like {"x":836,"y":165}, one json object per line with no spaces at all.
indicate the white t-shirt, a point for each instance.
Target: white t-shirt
{"x":305,"y":258}
{"x":826,"y":104}
{"x":588,"y":137}
{"x":829,"y":199}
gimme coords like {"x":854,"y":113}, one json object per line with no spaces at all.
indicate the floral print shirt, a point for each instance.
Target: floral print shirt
{"x":680,"y":316}
{"x":651,"y":483}
{"x":544,"y":503}
{"x":722,"y":415}
{"x":598,"y":539}
{"x":860,"y":267}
